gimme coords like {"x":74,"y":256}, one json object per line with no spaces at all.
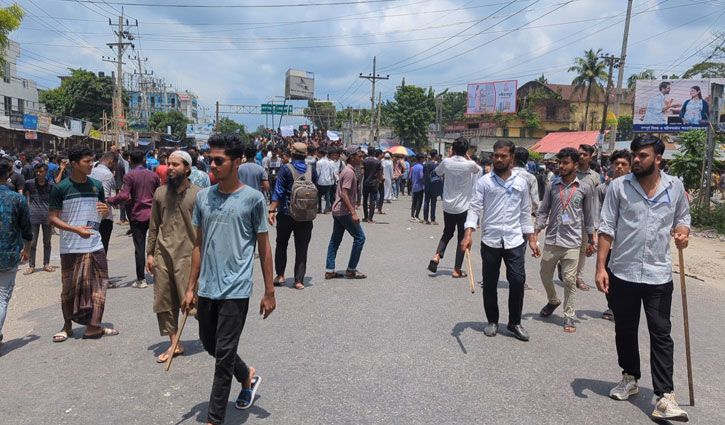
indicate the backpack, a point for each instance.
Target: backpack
{"x":434,"y":178}
{"x":303,"y":196}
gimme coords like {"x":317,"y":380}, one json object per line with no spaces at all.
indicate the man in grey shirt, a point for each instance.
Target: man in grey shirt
{"x":251,"y":173}
{"x":586,"y":176}
{"x":639,"y":211}
{"x":567,"y":206}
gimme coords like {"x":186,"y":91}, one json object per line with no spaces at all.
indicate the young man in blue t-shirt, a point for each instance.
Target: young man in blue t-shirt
{"x":229,"y":218}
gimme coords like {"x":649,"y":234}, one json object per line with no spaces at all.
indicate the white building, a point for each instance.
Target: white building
{"x":18,"y":94}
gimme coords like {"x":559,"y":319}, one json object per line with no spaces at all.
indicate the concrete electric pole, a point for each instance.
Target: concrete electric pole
{"x":620,"y":77}
{"x":120,"y":47}
{"x":373,"y":77}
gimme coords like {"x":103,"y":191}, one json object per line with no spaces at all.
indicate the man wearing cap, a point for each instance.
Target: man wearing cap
{"x":345,"y":219}
{"x":16,"y":181}
{"x":286,"y":225}
{"x":170,"y":242}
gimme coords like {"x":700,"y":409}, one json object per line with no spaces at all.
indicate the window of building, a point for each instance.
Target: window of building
{"x":8,"y":104}
{"x":551,"y":112}
{"x":6,"y":71}
{"x":505,"y":132}
{"x":25,"y":83}
{"x":472,"y":126}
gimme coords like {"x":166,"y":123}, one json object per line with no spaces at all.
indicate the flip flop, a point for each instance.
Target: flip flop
{"x":548,"y":309}
{"x":62,"y":336}
{"x":334,"y":275}
{"x":164,"y":361}
{"x":433,"y":266}
{"x":104,"y":332}
{"x":279,"y":282}
{"x":355,"y":275}
{"x":461,"y":274}
{"x":29,"y":271}
{"x":49,"y":269}
{"x":299,"y":286}
{"x":246,"y":396}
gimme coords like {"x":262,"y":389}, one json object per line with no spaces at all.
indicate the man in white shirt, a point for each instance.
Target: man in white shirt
{"x":503,"y":199}
{"x":325,"y":180}
{"x":457,"y":172}
{"x":657,"y":106}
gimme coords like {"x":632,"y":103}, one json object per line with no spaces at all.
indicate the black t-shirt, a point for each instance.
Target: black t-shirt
{"x":16,"y":182}
{"x":372,"y":168}
{"x":427,"y":168}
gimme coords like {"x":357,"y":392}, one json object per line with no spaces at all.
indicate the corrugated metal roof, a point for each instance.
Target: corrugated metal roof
{"x":554,"y":142}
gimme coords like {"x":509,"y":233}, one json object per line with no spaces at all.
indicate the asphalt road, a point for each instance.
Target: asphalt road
{"x":402,"y":347}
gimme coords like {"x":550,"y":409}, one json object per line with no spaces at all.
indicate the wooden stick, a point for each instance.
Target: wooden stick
{"x":470,"y":271}
{"x":175,"y":345}
{"x":687,"y":327}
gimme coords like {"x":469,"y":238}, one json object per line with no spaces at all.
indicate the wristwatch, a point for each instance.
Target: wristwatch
{"x":591,"y":242}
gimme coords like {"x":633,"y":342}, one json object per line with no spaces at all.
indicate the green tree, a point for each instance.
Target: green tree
{"x":411,"y":113}
{"x":542,"y":79}
{"x":228,"y":125}
{"x":688,"y":163}
{"x":647,"y":74}
{"x":706,"y":70}
{"x":84,"y":95}
{"x":322,"y":114}
{"x":624,"y":127}
{"x":10,"y":18}
{"x":160,"y":121}
{"x":590,"y":72}
{"x":454,"y":105}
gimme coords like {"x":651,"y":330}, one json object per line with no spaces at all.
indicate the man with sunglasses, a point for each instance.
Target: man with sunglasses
{"x":639,"y":211}
{"x":229,"y":219}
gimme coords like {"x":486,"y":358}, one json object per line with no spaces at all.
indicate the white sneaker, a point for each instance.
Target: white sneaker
{"x":668,"y":409}
{"x":141,"y":284}
{"x":627,"y":387}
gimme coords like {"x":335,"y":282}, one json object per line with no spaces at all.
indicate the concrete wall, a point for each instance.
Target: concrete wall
{"x":22,"y":91}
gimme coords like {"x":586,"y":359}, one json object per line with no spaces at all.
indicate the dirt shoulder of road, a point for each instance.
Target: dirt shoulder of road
{"x":704,"y":260}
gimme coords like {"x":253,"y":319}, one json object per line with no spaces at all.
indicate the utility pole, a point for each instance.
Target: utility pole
{"x":373,"y":78}
{"x":216,"y":123}
{"x":716,"y":94}
{"x":142,"y":88}
{"x":620,"y":77}
{"x":120,"y":47}
{"x":602,"y":132}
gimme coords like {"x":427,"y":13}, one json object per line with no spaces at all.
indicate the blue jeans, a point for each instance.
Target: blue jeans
{"x":7,"y":284}
{"x":429,"y":201}
{"x":396,"y":187}
{"x":340,"y":225}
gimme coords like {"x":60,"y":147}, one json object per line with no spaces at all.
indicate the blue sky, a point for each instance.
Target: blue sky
{"x":240,"y":55}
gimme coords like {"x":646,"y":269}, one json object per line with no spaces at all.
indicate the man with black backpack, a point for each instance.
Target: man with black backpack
{"x":294,"y":202}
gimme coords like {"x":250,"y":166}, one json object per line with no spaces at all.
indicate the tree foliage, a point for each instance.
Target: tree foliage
{"x":624,"y":127}
{"x":322,"y":114}
{"x":84,"y":95}
{"x":411,"y":113}
{"x":590,"y":70}
{"x":160,"y":121}
{"x":228,"y":125}
{"x":647,"y":74}
{"x":706,"y":70}
{"x":542,"y":79}
{"x":688,"y":163}
{"x":454,"y":105}
{"x":10,"y":18}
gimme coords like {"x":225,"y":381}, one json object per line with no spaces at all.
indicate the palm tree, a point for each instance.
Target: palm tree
{"x":590,"y":72}
{"x":632,"y":79}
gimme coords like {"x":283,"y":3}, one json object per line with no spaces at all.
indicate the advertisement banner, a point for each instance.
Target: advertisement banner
{"x":76,"y":127}
{"x":672,"y":106}
{"x":87,"y":128}
{"x":492,"y":97}
{"x":95,"y":134}
{"x":199,"y":131}
{"x":30,"y":121}
{"x":44,"y":123}
{"x":299,"y":84}
{"x":31,"y":135}
{"x":16,"y":119}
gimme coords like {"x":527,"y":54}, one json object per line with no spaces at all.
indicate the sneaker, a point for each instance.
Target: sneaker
{"x":627,"y":387}
{"x":141,"y":284}
{"x":667,"y":408}
{"x":426,"y":222}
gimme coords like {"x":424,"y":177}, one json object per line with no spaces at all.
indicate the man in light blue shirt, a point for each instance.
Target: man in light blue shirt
{"x":657,"y":106}
{"x":229,"y":218}
{"x":638,"y":213}
{"x":325,"y":180}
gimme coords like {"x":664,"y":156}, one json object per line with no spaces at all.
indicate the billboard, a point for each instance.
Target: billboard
{"x":492,"y":97}
{"x":670,"y":106}
{"x":299,"y":84}
{"x":199,"y":131}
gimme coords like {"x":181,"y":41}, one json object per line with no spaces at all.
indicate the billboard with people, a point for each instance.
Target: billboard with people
{"x":492,"y":97}
{"x":669,"y":106}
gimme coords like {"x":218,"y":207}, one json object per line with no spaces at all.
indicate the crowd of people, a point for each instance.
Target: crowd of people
{"x":199,"y":218}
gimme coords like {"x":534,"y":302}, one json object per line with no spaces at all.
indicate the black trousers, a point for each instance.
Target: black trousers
{"x":381,"y":195}
{"x":47,"y":234}
{"x":451,"y":223}
{"x":515,"y":275}
{"x":627,"y":299}
{"x":286,"y":225}
{"x":105,"y":229}
{"x":220,"y":325}
{"x":323,"y":192}
{"x":138,"y":233}
{"x":370,"y":194}
{"x":416,"y":204}
{"x":430,"y":201}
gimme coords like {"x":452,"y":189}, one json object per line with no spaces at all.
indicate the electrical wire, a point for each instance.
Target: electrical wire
{"x":231,"y":6}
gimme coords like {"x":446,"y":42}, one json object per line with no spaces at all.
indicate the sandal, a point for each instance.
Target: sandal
{"x":299,"y":285}
{"x":29,"y":271}
{"x":279,"y":282}
{"x":355,"y":275}
{"x":104,"y":332}
{"x":433,"y":266}
{"x":582,"y":286}
{"x":608,"y":315}
{"x":548,"y":309}
{"x":334,"y":275}
{"x":62,"y":336}
{"x":460,"y":274}
{"x":48,"y":268}
{"x":245,"y":399}
{"x":569,"y":326}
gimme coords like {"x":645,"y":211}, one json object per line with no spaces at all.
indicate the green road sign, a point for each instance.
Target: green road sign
{"x":267,"y":108}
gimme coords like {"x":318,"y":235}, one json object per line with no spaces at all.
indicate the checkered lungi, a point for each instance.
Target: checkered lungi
{"x":84,"y":282}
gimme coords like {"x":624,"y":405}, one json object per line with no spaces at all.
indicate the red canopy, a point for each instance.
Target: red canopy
{"x":554,"y":142}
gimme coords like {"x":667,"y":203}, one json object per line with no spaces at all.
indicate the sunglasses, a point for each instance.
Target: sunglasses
{"x":218,"y":160}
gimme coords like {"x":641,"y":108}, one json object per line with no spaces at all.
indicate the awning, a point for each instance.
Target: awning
{"x":166,"y":139}
{"x":554,"y":142}
{"x":144,"y":142}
